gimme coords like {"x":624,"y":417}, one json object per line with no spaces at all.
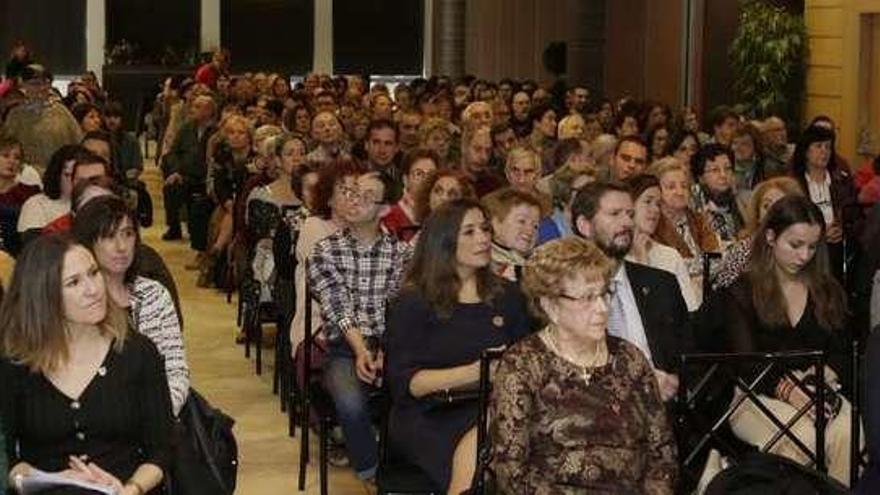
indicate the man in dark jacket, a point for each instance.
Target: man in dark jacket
{"x":186,"y":169}
{"x":646,"y":306}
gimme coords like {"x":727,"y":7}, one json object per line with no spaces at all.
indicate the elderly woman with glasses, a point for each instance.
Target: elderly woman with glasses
{"x":573,"y":409}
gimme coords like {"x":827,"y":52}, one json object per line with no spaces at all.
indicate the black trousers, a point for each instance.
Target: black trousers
{"x":173,"y":197}
{"x":198,"y":211}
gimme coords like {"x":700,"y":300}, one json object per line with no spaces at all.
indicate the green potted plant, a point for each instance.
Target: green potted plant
{"x":768,"y":57}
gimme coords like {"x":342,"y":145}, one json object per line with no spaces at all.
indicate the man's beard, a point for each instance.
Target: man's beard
{"x":614,"y":250}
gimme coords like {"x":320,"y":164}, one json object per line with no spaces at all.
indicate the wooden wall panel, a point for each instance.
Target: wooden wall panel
{"x":625,"y":48}
{"x":844,"y":45}
{"x":663,"y":51}
{"x":826,"y":52}
{"x":824,"y":81}
{"x":507,"y":38}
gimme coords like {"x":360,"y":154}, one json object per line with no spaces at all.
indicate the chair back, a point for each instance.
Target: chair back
{"x":707,"y":400}
{"x":484,"y":449}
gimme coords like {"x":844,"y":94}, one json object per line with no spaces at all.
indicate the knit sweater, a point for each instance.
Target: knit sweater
{"x":153,"y":315}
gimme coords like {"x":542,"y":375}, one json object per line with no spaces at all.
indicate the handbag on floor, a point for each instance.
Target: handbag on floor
{"x":206,"y":460}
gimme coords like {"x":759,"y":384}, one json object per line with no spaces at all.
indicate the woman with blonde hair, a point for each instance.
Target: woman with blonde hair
{"x":435,"y":134}
{"x":681,"y":227}
{"x":736,"y":258}
{"x":571,"y":126}
{"x":574,"y":409}
{"x":83,"y":398}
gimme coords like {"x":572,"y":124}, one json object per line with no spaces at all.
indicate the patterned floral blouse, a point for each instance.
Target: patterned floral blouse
{"x":552,"y":433}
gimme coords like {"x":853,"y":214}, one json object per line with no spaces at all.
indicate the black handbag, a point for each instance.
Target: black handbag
{"x":453,"y":397}
{"x":206,"y":460}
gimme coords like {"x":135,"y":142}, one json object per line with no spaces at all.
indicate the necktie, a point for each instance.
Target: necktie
{"x":616,"y":317}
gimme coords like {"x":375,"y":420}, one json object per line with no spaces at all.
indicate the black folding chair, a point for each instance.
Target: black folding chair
{"x":395,"y":474}
{"x":313,"y":398}
{"x":707,"y":383}
{"x":484,"y":447}
{"x":708,"y":260}
{"x":255,"y":314}
{"x":858,"y":455}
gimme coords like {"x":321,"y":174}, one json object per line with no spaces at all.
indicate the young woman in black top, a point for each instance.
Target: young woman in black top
{"x":451,"y":309}
{"x":789,"y":300}
{"x":82,"y":397}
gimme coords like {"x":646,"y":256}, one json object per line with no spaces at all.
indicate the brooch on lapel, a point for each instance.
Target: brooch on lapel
{"x":646,"y":290}
{"x":498,"y":321}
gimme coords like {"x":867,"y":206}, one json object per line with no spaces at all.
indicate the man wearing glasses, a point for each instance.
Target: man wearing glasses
{"x":354,"y":273}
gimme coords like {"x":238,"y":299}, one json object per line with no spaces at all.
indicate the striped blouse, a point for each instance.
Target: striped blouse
{"x":153,"y":315}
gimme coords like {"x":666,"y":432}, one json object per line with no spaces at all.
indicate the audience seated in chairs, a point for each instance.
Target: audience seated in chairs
{"x":737,"y":255}
{"x":630,"y":158}
{"x":354,"y":272}
{"x":452,"y":308}
{"x":712,"y":168}
{"x":109,"y":229}
{"x":831,"y":188}
{"x":789,"y":300}
{"x":54,"y":202}
{"x":514,"y":217}
{"x":575,"y":168}
{"x":441,"y":187}
{"x":646,"y":305}
{"x":13,"y":194}
{"x":402,"y":219}
{"x":645,"y":191}
{"x":271,"y":208}
{"x":66,"y":354}
{"x":680,"y":226}
{"x":333,"y":179}
{"x":575,"y":410}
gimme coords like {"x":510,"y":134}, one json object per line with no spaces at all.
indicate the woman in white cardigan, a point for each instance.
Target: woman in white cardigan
{"x":645,"y":190}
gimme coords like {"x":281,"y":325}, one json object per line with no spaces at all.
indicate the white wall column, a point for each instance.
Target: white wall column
{"x":322,"y":55}
{"x":210,"y":26}
{"x":96,"y":35}
{"x":428,"y":39}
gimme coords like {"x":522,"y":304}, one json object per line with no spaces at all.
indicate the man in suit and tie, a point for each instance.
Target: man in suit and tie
{"x":646,"y":306}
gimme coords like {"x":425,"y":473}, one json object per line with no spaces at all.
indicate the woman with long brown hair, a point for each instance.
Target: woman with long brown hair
{"x":83,"y":397}
{"x":789,"y":300}
{"x":451,"y":309}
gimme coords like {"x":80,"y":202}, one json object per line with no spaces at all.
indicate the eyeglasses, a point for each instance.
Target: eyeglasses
{"x":718,"y":170}
{"x":589,"y":298}
{"x":355,"y":194}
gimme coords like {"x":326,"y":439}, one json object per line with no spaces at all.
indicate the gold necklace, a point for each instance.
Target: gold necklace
{"x":586,"y":369}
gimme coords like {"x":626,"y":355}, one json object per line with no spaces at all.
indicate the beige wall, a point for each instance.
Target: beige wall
{"x":841,"y":72}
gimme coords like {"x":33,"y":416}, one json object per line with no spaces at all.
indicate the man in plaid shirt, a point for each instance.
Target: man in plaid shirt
{"x":354,"y":273}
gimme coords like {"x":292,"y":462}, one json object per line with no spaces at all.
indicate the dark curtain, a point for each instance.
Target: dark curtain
{"x":378,"y":36}
{"x":269,"y":35}
{"x":55,"y":32}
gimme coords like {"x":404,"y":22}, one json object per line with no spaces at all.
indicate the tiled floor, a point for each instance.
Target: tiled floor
{"x":269,"y":458}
